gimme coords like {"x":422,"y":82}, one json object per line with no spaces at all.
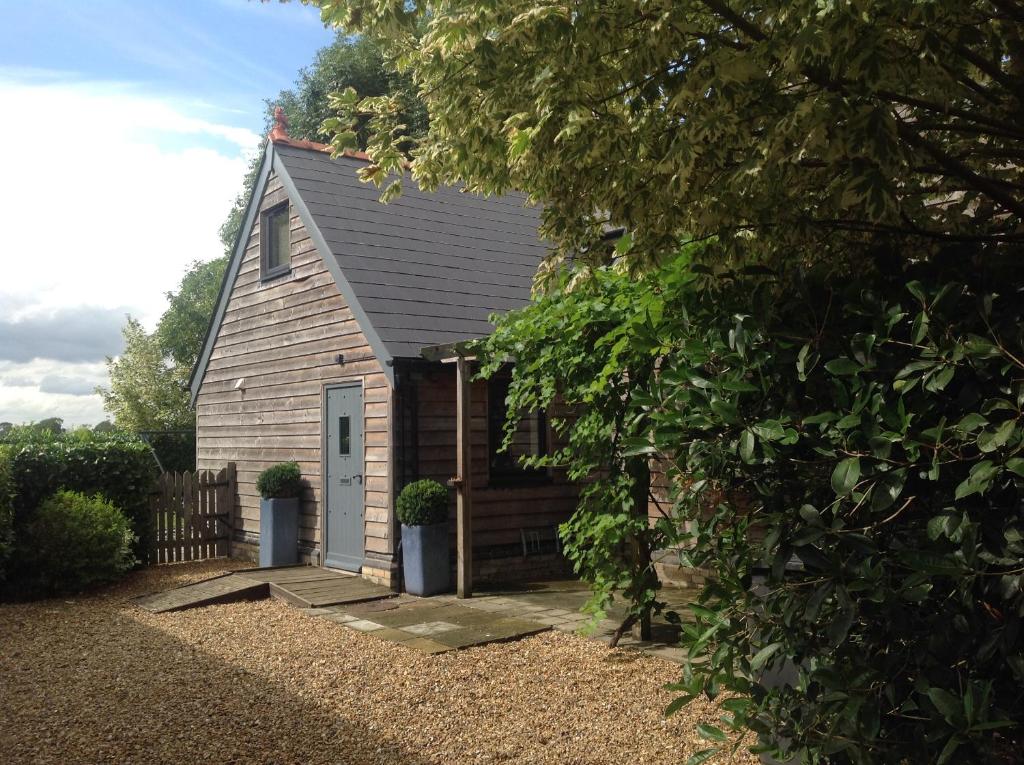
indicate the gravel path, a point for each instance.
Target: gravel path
{"x":96,"y":680}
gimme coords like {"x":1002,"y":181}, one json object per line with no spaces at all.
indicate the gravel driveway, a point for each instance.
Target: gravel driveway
{"x":96,"y":680}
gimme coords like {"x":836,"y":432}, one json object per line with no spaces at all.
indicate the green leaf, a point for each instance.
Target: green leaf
{"x":702,"y":756}
{"x":1016,"y":465}
{"x":949,"y":706}
{"x":843,"y":366}
{"x":990,"y":440}
{"x":678,"y":703}
{"x":948,"y":750}
{"x":971,"y":422}
{"x":916,"y":289}
{"x":770,"y":430}
{"x":977,"y":482}
{"x":845,"y":476}
{"x":710,"y":732}
{"x":763,"y":655}
{"x":747,"y":446}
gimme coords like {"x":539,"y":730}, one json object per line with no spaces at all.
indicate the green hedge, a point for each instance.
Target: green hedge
{"x":6,"y":510}
{"x":74,"y":542}
{"x":119,"y":467}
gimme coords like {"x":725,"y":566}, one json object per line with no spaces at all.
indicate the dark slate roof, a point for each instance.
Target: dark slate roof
{"x":428,"y":268}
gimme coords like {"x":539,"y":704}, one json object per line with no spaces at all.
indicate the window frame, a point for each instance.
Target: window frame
{"x":266,"y":272}
{"x":509,"y":476}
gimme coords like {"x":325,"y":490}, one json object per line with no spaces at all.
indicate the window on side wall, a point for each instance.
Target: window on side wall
{"x":275,"y":242}
{"x":530,"y":439}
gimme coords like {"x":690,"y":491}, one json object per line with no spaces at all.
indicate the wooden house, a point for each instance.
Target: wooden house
{"x":329,"y":345}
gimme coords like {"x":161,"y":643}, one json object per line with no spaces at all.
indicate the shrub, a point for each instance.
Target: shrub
{"x":879,"y":444}
{"x":422,"y":503}
{"x":6,"y":510}
{"x":870,"y":428}
{"x":281,"y":481}
{"x":74,"y":542}
{"x":118,"y":466}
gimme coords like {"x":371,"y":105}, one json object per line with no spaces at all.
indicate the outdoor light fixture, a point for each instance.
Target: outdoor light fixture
{"x":240,"y":385}
{"x":341,"y":358}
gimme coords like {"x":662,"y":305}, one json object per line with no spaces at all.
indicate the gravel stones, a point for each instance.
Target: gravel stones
{"x":95,"y":679}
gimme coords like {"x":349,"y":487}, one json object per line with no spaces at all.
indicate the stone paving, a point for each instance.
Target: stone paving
{"x":445,"y":623}
{"x":431,"y":625}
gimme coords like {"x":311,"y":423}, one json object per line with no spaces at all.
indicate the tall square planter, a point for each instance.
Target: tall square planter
{"x":425,"y":559}
{"x":279,"y":532}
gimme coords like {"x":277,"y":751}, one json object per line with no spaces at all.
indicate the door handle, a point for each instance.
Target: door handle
{"x":358,"y":477}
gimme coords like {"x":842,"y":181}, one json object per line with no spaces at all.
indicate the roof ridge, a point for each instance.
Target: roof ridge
{"x":279,"y":137}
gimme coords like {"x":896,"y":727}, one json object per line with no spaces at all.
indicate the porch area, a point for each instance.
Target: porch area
{"x":429,"y":625}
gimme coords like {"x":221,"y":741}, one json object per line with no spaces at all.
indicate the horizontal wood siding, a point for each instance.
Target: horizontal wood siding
{"x":499,"y":512}
{"x":283,"y":337}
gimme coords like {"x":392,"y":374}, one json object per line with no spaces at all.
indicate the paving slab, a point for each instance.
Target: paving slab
{"x":426,"y":645}
{"x":429,"y":628}
{"x":363,"y":625}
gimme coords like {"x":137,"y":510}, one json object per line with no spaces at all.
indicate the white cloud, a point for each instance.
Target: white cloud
{"x":109,"y":193}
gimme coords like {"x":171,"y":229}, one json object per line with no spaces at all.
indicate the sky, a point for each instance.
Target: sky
{"x":126,"y":128}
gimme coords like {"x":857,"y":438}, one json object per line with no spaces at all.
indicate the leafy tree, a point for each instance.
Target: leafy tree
{"x":771,"y":125}
{"x":182,"y":328}
{"x":356,"y":62}
{"x":838,"y":377}
{"x":145,"y":393}
{"x":49,"y":425}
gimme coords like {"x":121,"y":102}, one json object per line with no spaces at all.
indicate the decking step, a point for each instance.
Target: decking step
{"x":221,"y":589}
{"x":302,"y":586}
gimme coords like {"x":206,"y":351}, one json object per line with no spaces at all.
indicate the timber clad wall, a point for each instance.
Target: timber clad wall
{"x":499,"y":512}
{"x":283,"y":337}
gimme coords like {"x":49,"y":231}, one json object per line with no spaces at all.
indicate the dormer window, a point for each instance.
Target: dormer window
{"x":275,"y":242}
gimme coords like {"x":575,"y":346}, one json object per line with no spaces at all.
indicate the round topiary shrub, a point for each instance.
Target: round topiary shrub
{"x":422,"y":503}
{"x":282,"y":481}
{"x":75,"y":541}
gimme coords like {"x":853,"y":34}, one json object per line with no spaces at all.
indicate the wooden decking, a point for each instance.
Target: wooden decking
{"x":313,"y":587}
{"x":302,"y":586}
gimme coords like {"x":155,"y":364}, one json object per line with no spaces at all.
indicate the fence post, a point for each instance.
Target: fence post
{"x":232,"y":487}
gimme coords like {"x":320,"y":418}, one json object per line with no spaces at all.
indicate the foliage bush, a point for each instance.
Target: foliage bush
{"x":73,"y":542}
{"x":281,"y":481}
{"x":6,"y":510}
{"x":118,"y":466}
{"x":175,"y":450}
{"x":870,"y":431}
{"x":422,"y":503}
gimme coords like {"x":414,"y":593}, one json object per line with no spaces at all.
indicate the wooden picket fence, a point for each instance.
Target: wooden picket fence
{"x":192,"y":515}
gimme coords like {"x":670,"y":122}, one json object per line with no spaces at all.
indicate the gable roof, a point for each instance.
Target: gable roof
{"x":427,"y":268}
{"x":424,"y":270}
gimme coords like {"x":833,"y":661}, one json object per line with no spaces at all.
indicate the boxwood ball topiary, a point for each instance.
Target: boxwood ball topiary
{"x":422,"y":503}
{"x":282,"y":481}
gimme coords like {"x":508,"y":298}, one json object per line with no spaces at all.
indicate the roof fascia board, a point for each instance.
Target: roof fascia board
{"x":379,"y":349}
{"x":231,"y":272}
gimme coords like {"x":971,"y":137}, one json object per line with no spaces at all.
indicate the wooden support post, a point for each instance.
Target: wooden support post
{"x":464,"y":503}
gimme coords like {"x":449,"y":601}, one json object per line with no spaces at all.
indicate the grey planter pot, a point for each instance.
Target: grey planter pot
{"x":279,"y":532}
{"x":425,"y":559}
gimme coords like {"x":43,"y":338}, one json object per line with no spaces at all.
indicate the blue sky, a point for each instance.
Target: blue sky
{"x":223,"y":57}
{"x":127,"y":128}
